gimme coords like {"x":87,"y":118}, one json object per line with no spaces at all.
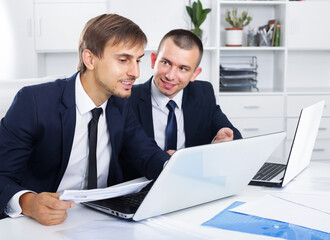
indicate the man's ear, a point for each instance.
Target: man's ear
{"x":88,"y":59}
{"x":197,"y":71}
{"x":153,"y":58}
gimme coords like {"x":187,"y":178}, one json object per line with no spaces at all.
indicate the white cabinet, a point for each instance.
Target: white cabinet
{"x":307,"y":25}
{"x":298,"y":71}
{"x":254,"y":115}
{"x":290,"y":76}
{"x":252,"y":106}
{"x":294,"y":104}
{"x":58,"y":24}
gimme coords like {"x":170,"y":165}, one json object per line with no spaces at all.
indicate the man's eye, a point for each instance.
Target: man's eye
{"x":165,"y":62}
{"x":122,"y":59}
{"x":183,"y":69}
{"x":138,"y":61}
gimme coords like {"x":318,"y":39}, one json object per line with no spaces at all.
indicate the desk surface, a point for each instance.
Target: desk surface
{"x":190,"y":219}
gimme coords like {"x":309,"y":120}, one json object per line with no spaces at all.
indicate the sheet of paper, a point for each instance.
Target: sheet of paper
{"x":309,"y":185}
{"x":315,"y":201}
{"x":278,"y":209}
{"x":122,"y":229}
{"x":103,"y":193}
{"x":263,"y":227}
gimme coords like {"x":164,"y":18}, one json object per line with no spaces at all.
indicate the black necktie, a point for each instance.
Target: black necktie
{"x":171,"y":128}
{"x":92,"y":136}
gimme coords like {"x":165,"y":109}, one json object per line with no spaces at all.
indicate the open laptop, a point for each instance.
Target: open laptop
{"x":195,"y":176}
{"x":278,"y":175}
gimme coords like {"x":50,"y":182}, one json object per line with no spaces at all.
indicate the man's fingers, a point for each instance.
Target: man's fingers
{"x":52,"y":219}
{"x":224,"y":134}
{"x":45,"y":207}
{"x":171,"y":152}
{"x":53,"y":202}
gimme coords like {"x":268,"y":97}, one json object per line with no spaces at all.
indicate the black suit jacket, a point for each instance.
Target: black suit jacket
{"x":202,"y":116}
{"x":36,"y":137}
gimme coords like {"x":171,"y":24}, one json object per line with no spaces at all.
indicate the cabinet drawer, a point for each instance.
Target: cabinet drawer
{"x":58,"y":24}
{"x":257,"y":126}
{"x":251,"y":106}
{"x":321,"y":150}
{"x":296,"y":103}
{"x":324,"y":129}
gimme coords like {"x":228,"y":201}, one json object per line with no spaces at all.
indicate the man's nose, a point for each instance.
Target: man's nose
{"x":170,"y":75}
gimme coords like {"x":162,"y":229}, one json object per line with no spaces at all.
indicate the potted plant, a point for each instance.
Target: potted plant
{"x":197,"y":15}
{"x":234,"y":35}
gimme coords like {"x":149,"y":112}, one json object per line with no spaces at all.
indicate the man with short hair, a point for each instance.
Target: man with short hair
{"x":199,"y":120}
{"x":53,"y":133}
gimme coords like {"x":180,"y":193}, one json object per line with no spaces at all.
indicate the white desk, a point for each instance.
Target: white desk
{"x":188,"y":219}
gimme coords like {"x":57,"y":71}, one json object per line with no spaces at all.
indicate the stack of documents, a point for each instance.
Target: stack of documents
{"x":238,"y":73}
{"x":277,"y":217}
{"x":103,"y":193}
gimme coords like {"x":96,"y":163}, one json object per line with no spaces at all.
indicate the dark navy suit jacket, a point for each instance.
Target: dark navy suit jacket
{"x":36,"y":137}
{"x":202,"y":116}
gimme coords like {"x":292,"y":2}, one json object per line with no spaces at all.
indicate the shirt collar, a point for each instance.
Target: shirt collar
{"x":83,"y":102}
{"x":162,"y":100}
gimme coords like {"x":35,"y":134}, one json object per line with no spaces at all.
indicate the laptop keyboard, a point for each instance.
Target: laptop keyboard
{"x":131,"y":200}
{"x":269,"y":171}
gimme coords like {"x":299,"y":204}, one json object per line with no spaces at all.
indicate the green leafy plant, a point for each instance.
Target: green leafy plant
{"x":197,"y":15}
{"x":238,"y":22}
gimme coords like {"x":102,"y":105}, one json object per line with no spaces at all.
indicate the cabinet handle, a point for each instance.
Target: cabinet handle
{"x":251,"y":107}
{"x":318,"y":150}
{"x":322,"y":129}
{"x":250,"y":129}
{"x":29,"y":26}
{"x":39,"y":26}
{"x":292,"y":25}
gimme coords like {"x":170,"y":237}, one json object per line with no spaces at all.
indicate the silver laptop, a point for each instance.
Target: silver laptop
{"x":195,"y":176}
{"x":278,"y":175}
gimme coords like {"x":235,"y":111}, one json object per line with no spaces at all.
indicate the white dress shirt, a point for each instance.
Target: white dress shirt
{"x":160,"y":114}
{"x":75,"y":176}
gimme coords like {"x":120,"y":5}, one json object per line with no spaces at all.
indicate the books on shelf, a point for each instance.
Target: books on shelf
{"x":269,"y":34}
{"x":277,"y":36}
{"x":273,"y":25}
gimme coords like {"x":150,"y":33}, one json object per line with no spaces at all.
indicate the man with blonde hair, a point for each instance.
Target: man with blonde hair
{"x":68,"y":134}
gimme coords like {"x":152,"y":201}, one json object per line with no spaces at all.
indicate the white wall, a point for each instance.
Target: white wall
{"x":18,"y":58}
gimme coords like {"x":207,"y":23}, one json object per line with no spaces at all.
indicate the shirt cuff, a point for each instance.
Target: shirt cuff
{"x":165,"y":163}
{"x":214,"y":138}
{"x":13,"y":208}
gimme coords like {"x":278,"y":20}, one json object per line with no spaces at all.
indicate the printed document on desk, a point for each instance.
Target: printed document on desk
{"x":317,"y":201}
{"x":103,"y":193}
{"x":267,"y":228}
{"x":281,"y":210}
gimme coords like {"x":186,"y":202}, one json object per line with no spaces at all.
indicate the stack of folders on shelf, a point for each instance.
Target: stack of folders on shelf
{"x":238,"y":73}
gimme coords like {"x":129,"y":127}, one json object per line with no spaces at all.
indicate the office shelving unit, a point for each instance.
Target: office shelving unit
{"x":290,"y":76}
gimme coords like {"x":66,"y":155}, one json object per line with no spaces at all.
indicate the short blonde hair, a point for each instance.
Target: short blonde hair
{"x":108,"y":27}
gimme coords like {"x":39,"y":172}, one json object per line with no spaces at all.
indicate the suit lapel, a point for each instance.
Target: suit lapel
{"x":116,"y":128}
{"x":68,"y":122}
{"x":144,"y":108}
{"x":188,"y":108}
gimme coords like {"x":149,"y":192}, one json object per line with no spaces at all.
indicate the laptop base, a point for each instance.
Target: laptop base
{"x":265,"y":184}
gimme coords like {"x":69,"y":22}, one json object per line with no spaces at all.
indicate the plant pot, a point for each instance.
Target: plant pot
{"x":234,"y":37}
{"x":200,"y":35}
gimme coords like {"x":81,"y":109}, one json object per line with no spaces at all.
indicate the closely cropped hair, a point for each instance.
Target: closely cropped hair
{"x":108,"y":28}
{"x":184,"y":39}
